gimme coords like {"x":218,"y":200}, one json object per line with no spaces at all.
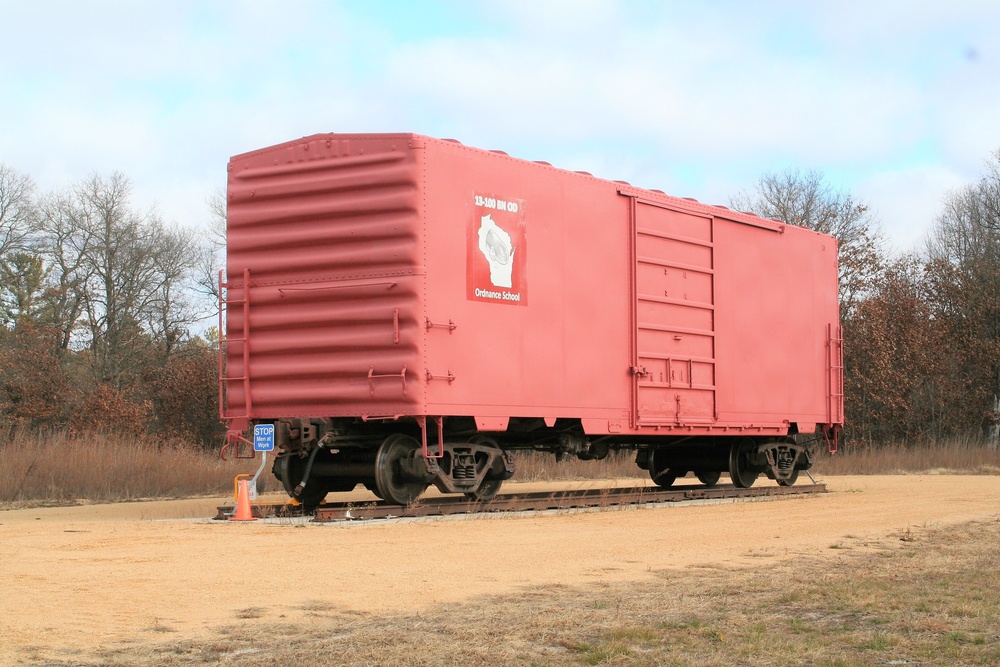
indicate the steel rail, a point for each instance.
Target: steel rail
{"x":524,"y":502}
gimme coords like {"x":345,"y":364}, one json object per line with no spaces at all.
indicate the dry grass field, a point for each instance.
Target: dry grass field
{"x":859,"y":578}
{"x":927,"y":598}
{"x":66,"y":468}
{"x":883,"y":570}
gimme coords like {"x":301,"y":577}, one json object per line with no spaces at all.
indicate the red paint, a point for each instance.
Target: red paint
{"x":630,"y":310}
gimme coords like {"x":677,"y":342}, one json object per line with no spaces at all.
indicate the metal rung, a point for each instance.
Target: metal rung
{"x":224,"y":304}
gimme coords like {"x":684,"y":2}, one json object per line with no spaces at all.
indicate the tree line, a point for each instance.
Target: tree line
{"x":100,"y":302}
{"x":921,"y":329}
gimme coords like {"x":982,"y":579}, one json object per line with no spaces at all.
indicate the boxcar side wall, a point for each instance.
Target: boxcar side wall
{"x":528,"y":263}
{"x":626,"y":309}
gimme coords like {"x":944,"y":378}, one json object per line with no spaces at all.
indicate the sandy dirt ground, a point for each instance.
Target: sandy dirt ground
{"x":78,"y":580}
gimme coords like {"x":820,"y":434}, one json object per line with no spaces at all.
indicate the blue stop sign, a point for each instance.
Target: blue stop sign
{"x":263,"y":437}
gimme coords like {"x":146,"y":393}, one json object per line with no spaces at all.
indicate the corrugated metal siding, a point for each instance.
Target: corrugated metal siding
{"x":332,"y":243}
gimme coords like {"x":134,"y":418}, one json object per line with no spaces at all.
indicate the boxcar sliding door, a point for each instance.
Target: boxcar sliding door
{"x":673,"y":316}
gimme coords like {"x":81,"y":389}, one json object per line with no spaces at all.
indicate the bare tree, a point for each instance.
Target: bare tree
{"x":963,"y":258}
{"x":119,"y":269}
{"x":804,"y":199}
{"x":211,"y":252}
{"x":170,"y":310}
{"x":64,"y":242}
{"x":20,"y":274}
{"x":17,"y":209}
{"x":133,"y":266}
{"x":967,"y":233}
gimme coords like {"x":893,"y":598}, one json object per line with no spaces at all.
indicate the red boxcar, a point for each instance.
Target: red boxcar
{"x":407,"y":310}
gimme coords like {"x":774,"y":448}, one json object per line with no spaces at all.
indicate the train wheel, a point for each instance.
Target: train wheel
{"x":661,"y":475}
{"x":708,"y":477}
{"x":664,"y":479}
{"x":313,"y":495}
{"x":282,"y":470}
{"x":739,"y":464}
{"x":389,"y":480}
{"x":791,"y":479}
{"x":289,"y":469}
{"x":486,"y":491}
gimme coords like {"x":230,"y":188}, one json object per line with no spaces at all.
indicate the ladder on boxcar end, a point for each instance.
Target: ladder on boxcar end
{"x":236,"y":424}
{"x":835,"y":376}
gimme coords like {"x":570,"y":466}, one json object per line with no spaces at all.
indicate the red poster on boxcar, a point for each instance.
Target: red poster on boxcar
{"x":497,"y":251}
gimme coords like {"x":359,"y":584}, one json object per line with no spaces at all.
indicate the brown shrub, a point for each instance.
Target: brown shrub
{"x":33,"y":385}
{"x":108,"y":409}
{"x":185,"y":395}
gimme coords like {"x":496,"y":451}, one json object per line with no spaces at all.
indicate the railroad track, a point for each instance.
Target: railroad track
{"x":523,"y":502}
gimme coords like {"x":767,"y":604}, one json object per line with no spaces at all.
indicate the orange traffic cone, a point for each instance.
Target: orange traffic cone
{"x":243,"y":511}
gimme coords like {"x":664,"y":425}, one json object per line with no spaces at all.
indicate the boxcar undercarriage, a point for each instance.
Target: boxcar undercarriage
{"x":394,"y":460}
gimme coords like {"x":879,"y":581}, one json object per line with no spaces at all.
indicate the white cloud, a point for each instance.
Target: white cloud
{"x":909,"y":200}
{"x":695,"y":99}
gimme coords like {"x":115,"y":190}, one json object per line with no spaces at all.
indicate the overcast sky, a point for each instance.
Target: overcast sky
{"x":896,"y":101}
